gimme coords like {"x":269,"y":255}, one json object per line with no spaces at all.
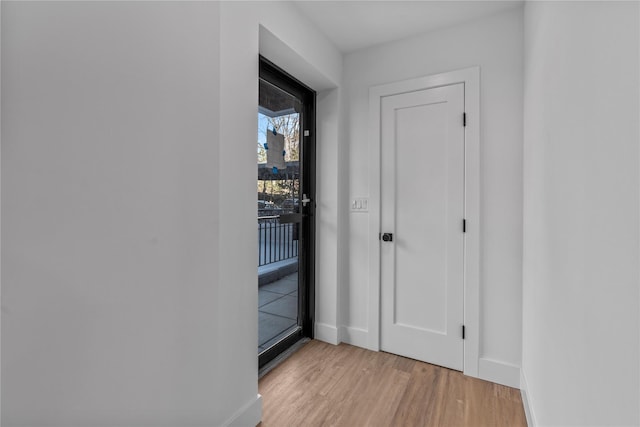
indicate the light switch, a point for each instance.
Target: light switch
{"x":360,"y":204}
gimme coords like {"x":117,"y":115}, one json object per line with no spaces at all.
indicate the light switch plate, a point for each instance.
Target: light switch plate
{"x":360,"y":204}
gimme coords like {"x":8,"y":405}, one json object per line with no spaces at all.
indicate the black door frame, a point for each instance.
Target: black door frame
{"x":306,"y":263}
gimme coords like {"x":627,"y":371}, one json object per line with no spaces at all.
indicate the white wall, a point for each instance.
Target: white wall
{"x":581,"y":194}
{"x":129,"y":287}
{"x":110,"y":215}
{"x":495,"y":44}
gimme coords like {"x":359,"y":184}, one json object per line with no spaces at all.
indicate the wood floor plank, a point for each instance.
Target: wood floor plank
{"x":326,"y":385}
{"x":378,"y":396}
{"x":420,"y":404}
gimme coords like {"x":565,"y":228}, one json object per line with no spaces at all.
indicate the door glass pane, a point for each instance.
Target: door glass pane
{"x":278,"y":161}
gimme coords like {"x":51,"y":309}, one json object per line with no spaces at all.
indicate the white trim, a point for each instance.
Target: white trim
{"x":499,"y":372}
{"x":471,"y":79}
{"x":249,"y":415}
{"x":326,"y":333}
{"x":373,"y":320}
{"x":526,"y":401}
{"x":354,"y":336}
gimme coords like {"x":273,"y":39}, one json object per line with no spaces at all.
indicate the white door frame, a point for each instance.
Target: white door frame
{"x":471,"y":79}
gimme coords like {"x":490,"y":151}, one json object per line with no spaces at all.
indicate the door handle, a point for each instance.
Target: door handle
{"x":387,"y":237}
{"x":305,"y":200}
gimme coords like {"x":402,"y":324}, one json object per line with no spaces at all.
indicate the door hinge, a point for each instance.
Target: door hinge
{"x":306,"y":132}
{"x":463,"y":332}
{"x":464,"y":225}
{"x":379,"y":236}
{"x":464,"y":119}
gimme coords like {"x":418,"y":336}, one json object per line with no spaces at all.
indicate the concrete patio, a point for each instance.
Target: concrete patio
{"x":277,"y":283}
{"x":277,"y":310}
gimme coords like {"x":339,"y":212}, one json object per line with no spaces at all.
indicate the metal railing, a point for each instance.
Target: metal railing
{"x":276,"y":242}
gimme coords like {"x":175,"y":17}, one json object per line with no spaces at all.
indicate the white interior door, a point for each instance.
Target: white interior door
{"x":422,"y":205}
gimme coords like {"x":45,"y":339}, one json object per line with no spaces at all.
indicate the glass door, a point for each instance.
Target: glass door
{"x":286,"y":208}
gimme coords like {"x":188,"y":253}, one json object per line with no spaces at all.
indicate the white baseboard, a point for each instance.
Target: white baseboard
{"x":526,"y":401}
{"x":354,"y":336}
{"x":248,"y":416}
{"x":499,"y":372}
{"x":326,"y":333}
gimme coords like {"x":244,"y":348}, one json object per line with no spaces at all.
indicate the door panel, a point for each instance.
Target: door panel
{"x":422,"y":196}
{"x":286,"y":211}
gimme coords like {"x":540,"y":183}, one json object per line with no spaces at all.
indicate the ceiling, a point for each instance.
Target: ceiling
{"x":353,"y":25}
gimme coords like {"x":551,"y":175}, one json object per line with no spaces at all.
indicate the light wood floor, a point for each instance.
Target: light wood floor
{"x":326,"y":385}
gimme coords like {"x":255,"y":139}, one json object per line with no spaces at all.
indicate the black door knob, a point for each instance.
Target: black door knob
{"x":387,"y":237}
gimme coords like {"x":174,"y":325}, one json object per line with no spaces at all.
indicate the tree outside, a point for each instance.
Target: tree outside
{"x":279,"y":191}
